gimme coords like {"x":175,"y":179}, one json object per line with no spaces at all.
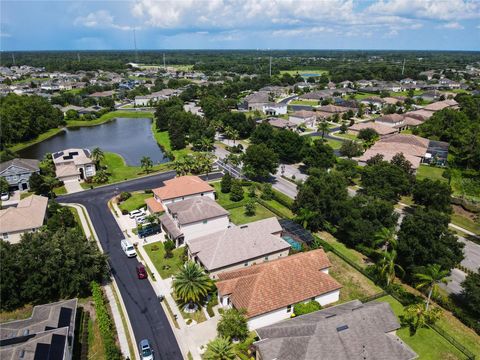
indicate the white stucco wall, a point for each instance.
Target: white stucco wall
{"x":201,"y":228}
{"x":14,"y":237}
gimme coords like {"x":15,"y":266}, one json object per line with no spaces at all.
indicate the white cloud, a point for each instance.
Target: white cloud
{"x":5,"y":35}
{"x":99,"y":19}
{"x":452,"y":26}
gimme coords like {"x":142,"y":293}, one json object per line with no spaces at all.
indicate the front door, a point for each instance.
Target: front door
{"x":24,"y":186}
{"x":82,"y":176}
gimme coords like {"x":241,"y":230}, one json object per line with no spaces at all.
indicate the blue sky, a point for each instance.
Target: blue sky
{"x":240,"y":24}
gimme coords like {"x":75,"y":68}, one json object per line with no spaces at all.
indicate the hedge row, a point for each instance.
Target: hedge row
{"x":107,"y":331}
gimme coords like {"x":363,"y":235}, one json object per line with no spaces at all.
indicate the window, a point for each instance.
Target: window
{"x":205,"y":221}
{"x":289,"y":308}
{"x":266,"y":258}
{"x":201,"y":194}
{"x":246,"y":264}
{"x":5,"y":236}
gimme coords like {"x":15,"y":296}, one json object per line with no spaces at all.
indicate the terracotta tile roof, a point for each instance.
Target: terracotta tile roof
{"x":182,"y":186}
{"x":279,"y":283}
{"x":153,"y":205}
{"x":379,"y":128}
{"x":29,"y":214}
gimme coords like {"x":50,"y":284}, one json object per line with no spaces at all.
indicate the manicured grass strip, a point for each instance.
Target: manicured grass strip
{"x":465,"y":223}
{"x":282,"y":210}
{"x":170,"y":312}
{"x":238,"y":216}
{"x":224,"y":199}
{"x":61,"y":190}
{"x":334,"y":144}
{"x":110,"y":116}
{"x":77,"y":218}
{"x":44,"y":136}
{"x":156,"y":252}
{"x":304,"y":102}
{"x":95,"y":343}
{"x":131,"y":346}
{"x":134,"y":202}
{"x":351,"y":254}
{"x":427,"y":343}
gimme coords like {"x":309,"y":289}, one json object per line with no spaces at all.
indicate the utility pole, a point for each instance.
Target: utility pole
{"x":270,"y":72}
{"x":164,"y":66}
{"x":78,"y":57}
{"x":403,"y":67}
{"x":135,"y":45}
{"x":13,"y":59}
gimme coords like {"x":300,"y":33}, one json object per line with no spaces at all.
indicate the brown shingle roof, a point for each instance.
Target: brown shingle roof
{"x":182,"y":186}
{"x":379,"y":128}
{"x":196,"y":209}
{"x":29,"y":214}
{"x":391,"y":118}
{"x":279,"y":283}
{"x":439,"y":105}
{"x":28,"y":164}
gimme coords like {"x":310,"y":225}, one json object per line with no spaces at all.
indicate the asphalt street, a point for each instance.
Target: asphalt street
{"x":146,"y":315}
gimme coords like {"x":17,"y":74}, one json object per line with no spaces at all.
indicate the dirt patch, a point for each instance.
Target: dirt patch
{"x":457,"y":209}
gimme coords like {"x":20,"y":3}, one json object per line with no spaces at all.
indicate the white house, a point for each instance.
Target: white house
{"x":274,"y":109}
{"x":73,"y":164}
{"x":269,"y":291}
{"x":178,"y":189}
{"x":28,"y":215}
{"x":239,"y":246}
{"x":188,"y":219}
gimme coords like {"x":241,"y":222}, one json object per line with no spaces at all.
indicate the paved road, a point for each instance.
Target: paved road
{"x":472,"y":254}
{"x":454,"y":282}
{"x":147,"y":317}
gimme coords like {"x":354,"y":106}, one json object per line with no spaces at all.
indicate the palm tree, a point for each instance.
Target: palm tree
{"x":429,"y":278}
{"x":219,"y":349}
{"x":231,"y":134}
{"x":304,"y":217}
{"x":323,"y":127}
{"x":146,"y":163}
{"x":385,"y":238}
{"x":191,"y":284}
{"x":386,"y":267}
{"x":97,"y":156}
{"x":206,"y":144}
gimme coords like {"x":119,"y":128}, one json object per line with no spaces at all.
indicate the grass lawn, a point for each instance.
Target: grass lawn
{"x":198,"y":316}
{"x":77,"y":218}
{"x":463,"y":334}
{"x":465,"y":186}
{"x":110,"y":116}
{"x":352,"y":254}
{"x":119,"y":171}
{"x":286,"y":212}
{"x":304,"y":102}
{"x":95,"y":343}
{"x":465,"y":223}
{"x":134,"y":202}
{"x":238,"y":217}
{"x":334,"y":144}
{"x":355,"y":284}
{"x":427,"y":343}
{"x":224,"y":199}
{"x":430,"y":172}
{"x":61,"y":190}
{"x":163,"y":139}
{"x":19,"y":314}
{"x":346,"y":136}
{"x":39,"y":138}
{"x":362,"y":95}
{"x":157,"y":256}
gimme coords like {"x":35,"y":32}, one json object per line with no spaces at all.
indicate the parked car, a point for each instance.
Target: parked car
{"x":141,"y":271}
{"x":135,"y":213}
{"x":146,"y":352}
{"x":128,"y":248}
{"x":149,"y":229}
{"x":141,"y":219}
{"x":5,"y":196}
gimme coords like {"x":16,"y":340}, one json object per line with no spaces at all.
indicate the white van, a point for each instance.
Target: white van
{"x":128,"y":248}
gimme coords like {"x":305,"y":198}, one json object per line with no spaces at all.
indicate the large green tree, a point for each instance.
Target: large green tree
{"x":433,"y":194}
{"x":191,"y":284}
{"x":424,"y":239}
{"x":220,"y":349}
{"x":385,"y":181}
{"x":471,"y":294}
{"x":319,"y":155}
{"x":259,"y":161}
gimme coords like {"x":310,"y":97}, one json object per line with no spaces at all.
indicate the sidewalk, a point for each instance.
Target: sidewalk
{"x":109,"y":289}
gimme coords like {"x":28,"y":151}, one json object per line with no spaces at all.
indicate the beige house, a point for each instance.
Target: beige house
{"x":308,"y":118}
{"x":73,"y":164}
{"x":27,"y":216}
{"x":238,"y":247}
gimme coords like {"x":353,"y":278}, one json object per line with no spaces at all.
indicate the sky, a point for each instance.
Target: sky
{"x":240,"y":24}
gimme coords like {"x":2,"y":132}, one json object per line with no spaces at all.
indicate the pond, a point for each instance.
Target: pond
{"x":130,"y":138}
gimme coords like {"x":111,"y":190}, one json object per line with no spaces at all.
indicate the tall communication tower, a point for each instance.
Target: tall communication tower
{"x":403,"y":67}
{"x":270,"y":69}
{"x":78,"y":57}
{"x":13,"y":59}
{"x":135,"y":45}
{"x":164,"y":65}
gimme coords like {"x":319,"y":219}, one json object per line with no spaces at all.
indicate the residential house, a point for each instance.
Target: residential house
{"x":268,"y":291}
{"x":178,"y":189}
{"x":150,"y":99}
{"x":46,"y":335}
{"x":73,"y":164}
{"x":345,"y":84}
{"x":328,"y":111}
{"x":280,"y":123}
{"x":393,"y":120}
{"x":28,"y":215}
{"x":408,"y":81}
{"x":416,"y":150}
{"x":343,"y":332}
{"x":256,"y":101}
{"x":364,"y":83}
{"x":308,"y":118}
{"x":375,"y":101}
{"x":440,"y":105}
{"x":277,"y":91}
{"x":188,"y":219}
{"x":17,"y":172}
{"x":239,"y":246}
{"x":382,"y":130}
{"x":274,"y":109}
{"x":450,"y":84}
{"x":100,"y":94}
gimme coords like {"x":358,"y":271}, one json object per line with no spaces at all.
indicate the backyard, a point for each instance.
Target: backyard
{"x":165,"y":267}
{"x":238,"y":216}
{"x":163,"y":139}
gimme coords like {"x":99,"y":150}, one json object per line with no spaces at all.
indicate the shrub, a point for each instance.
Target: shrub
{"x":306,"y":308}
{"x":168,"y":245}
{"x":124,"y":196}
{"x":226,"y":183}
{"x":148,"y":191}
{"x":105,"y":324}
{"x":267,"y":192}
{"x":124,"y":212}
{"x":233,"y":325}
{"x":416,"y":316}
{"x":250,"y":208}
{"x":236,"y":192}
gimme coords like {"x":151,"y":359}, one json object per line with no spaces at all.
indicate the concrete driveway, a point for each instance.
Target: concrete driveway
{"x":73,"y":186}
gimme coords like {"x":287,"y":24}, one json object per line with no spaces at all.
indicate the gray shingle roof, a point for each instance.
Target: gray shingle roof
{"x":238,"y":244}
{"x":345,"y":332}
{"x":196,"y":209}
{"x":29,"y":164}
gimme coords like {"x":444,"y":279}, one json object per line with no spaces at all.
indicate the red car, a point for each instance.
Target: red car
{"x":141,"y":272}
